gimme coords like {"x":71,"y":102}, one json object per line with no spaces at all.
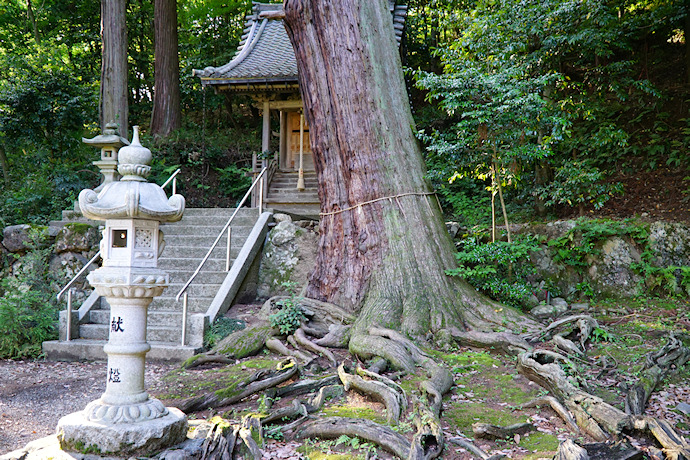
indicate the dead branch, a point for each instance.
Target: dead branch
{"x":303,"y":341}
{"x":558,"y":408}
{"x":286,"y":371}
{"x":467,"y":445}
{"x":675,"y":446}
{"x":377,"y":390}
{"x":585,"y":323}
{"x":488,"y":431}
{"x":333,"y":427}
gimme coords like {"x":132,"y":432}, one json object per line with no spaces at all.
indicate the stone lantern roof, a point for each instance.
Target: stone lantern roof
{"x":132,"y":196}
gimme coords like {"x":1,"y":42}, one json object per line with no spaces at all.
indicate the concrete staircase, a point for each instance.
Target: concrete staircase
{"x":211,"y":293}
{"x":283,"y":195}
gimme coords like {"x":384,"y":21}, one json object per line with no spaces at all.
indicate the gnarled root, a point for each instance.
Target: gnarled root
{"x":333,"y":427}
{"x":377,"y":390}
{"x":674,"y":354}
{"x":280,"y":348}
{"x":510,"y":343}
{"x":206,"y":358}
{"x":338,"y":336}
{"x":304,"y":342}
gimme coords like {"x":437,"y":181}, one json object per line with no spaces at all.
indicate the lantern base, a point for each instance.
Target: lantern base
{"x":78,"y":434}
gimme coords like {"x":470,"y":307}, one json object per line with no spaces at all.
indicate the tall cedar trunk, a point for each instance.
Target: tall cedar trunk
{"x":166,"y":116}
{"x":383,"y":259}
{"x":113,"y":104}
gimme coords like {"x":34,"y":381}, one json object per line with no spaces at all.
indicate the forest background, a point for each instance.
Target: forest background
{"x":557,"y":105}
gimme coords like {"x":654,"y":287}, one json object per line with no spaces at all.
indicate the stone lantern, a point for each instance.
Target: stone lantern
{"x":125,"y":419}
{"x":109,"y":142}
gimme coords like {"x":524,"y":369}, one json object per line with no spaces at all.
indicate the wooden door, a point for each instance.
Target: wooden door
{"x":293,"y":144}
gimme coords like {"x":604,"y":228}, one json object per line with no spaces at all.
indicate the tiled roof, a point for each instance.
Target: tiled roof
{"x":265,"y":54}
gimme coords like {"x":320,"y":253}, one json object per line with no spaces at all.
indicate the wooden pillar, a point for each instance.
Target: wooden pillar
{"x":283,"y":160}
{"x":266,"y":129}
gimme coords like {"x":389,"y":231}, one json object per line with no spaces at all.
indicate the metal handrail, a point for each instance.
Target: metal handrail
{"x":172,"y":178}
{"x":220,"y":235}
{"x":81,"y":272}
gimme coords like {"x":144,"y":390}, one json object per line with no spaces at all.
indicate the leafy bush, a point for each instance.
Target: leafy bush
{"x":498,"y":269}
{"x":28,"y":309}
{"x":221,"y":328}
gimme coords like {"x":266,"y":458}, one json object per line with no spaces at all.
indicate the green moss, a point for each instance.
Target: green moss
{"x":78,"y":227}
{"x":462,"y":416}
{"x":354,"y":412}
{"x":540,"y":442}
{"x":471,"y":360}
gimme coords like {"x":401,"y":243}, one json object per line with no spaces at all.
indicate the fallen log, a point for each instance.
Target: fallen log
{"x":225,"y":398}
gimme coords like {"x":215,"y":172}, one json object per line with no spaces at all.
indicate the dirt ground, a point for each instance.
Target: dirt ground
{"x":34,"y":395}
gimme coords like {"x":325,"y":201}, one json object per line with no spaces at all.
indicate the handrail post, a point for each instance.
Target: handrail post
{"x":184,"y":319}
{"x":174,"y":188}
{"x":261,"y":195}
{"x":227,"y":250}
{"x":68,"y":331}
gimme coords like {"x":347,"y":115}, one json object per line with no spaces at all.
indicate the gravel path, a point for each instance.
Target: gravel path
{"x":34,"y":395}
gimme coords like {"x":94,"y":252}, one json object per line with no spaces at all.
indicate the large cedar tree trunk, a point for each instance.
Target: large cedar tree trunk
{"x":385,"y":259}
{"x":166,"y":116}
{"x":113,"y":101}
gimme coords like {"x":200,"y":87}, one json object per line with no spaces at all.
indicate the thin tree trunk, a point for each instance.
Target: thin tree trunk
{"x":32,"y":20}
{"x":166,"y":116}
{"x":686,"y":34}
{"x":114,"y":104}
{"x":493,"y":204}
{"x":5,"y":166}
{"x":500,"y":196}
{"x":383,"y":245}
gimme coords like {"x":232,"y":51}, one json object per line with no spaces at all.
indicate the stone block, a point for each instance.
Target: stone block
{"x":76,"y":433}
{"x":77,"y":237}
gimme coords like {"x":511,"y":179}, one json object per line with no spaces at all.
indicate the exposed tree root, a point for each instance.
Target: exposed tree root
{"x":594,"y":416}
{"x":300,"y":408}
{"x":338,"y":336}
{"x":303,"y":341}
{"x":377,"y":390}
{"x":509,"y":343}
{"x":467,"y":445}
{"x":673,"y":355}
{"x":279,"y":347}
{"x":219,"y":399}
{"x":206,"y":358}
{"x":585,"y":323}
{"x":333,"y":427}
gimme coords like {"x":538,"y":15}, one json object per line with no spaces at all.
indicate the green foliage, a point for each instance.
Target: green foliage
{"x":221,"y":328}
{"x":289,"y":318}
{"x":233,"y":181}
{"x":498,"y":269}
{"x":577,"y":183}
{"x":28,"y":310}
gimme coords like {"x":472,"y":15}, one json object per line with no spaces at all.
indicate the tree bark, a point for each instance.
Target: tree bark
{"x":32,"y":20}
{"x":383,"y":244}
{"x":113,"y":102}
{"x":166,"y":116}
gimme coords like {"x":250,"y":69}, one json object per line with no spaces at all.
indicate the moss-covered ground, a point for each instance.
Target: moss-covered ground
{"x":487,"y":387}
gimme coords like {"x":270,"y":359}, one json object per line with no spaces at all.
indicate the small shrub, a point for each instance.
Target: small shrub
{"x":498,"y":269}
{"x":28,"y":309}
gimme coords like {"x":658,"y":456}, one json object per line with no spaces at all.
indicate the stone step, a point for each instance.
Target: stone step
{"x":168,"y":303}
{"x":159,"y":318}
{"x":153,"y":333}
{"x":213,"y":264}
{"x":291,"y":198}
{"x":191,"y":252}
{"x":204,"y":242}
{"x":202,"y":230}
{"x":85,"y":349}
{"x":227,"y":212}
